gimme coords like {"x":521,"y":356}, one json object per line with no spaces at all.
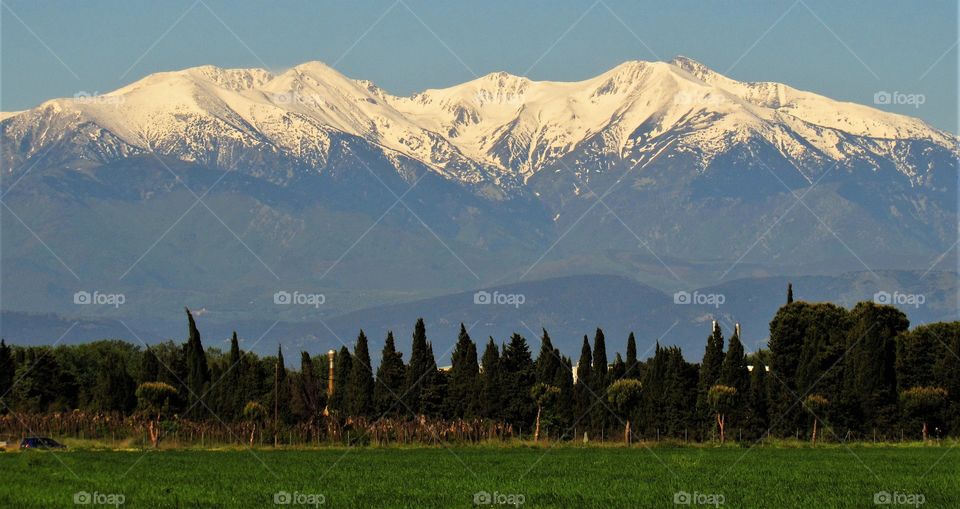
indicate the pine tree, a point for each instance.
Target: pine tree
{"x":491,"y":397}
{"x":518,"y":380}
{"x":633,"y":366}
{"x":390,"y":379}
{"x":463,"y":392}
{"x":360,"y":384}
{"x":789,"y":293}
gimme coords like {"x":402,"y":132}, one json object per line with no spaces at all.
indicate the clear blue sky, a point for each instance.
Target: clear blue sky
{"x":58,"y":48}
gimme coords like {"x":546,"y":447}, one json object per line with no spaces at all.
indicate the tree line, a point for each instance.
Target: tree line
{"x":828,"y":373}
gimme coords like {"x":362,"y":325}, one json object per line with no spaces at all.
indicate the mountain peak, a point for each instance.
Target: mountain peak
{"x":690,"y":65}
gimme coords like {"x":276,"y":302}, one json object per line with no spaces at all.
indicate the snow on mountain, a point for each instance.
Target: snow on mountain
{"x":492,"y":132}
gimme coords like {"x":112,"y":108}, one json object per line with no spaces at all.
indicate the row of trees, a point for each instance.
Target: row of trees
{"x":831,"y":372}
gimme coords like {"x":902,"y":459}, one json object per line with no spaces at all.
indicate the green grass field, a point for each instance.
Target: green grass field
{"x":565,"y":476}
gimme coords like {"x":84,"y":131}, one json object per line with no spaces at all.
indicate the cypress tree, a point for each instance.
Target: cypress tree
{"x":519,"y":378}
{"x":342,"y":366}
{"x":583,"y":393}
{"x":548,"y":361}
{"x":758,"y":405}
{"x":360,"y":384}
{"x":789,"y":293}
{"x":872,"y":374}
{"x":710,"y":369}
{"x":633,"y":366}
{"x":390,"y":379}
{"x":234,"y":354}
{"x":8,"y":367}
{"x":464,"y":389}
{"x":418,"y":370}
{"x":198,"y":371}
{"x":114,"y":388}
{"x":734,"y":372}
{"x":491,"y":397}
{"x":308,"y":389}
{"x":618,"y":370}
{"x":280,"y":395}
{"x":434,"y":389}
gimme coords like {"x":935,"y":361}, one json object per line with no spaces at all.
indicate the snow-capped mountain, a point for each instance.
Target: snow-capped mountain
{"x":493,"y":132}
{"x":667,"y":172}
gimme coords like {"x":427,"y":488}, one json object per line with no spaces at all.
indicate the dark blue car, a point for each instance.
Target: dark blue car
{"x":40,"y":443}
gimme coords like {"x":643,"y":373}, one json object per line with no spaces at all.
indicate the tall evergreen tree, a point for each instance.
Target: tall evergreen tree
{"x":115,"y":388}
{"x":434,"y":390}
{"x":710,"y":369}
{"x":584,"y":397}
{"x":390,"y":379}
{"x":757,"y":404}
{"x":280,"y":395}
{"x":491,"y":396}
{"x":633,"y":364}
{"x":518,"y":380}
{"x":464,"y":389}
{"x":548,"y":361}
{"x":7,"y":368}
{"x":342,"y":366}
{"x":419,"y":369}
{"x":149,"y":367}
{"x":789,"y":293}
{"x":872,"y":364}
{"x":618,"y":369}
{"x":734,"y":372}
{"x":198,"y":371}
{"x":360,"y":384}
{"x":308,"y":393}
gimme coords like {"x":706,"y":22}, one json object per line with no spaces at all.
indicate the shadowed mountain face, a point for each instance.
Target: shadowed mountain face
{"x":219,"y":188}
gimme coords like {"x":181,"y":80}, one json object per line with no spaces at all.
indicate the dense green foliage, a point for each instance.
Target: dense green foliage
{"x":880,"y":379}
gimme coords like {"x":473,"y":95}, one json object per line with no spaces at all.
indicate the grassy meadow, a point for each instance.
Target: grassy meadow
{"x":560,"y":476}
